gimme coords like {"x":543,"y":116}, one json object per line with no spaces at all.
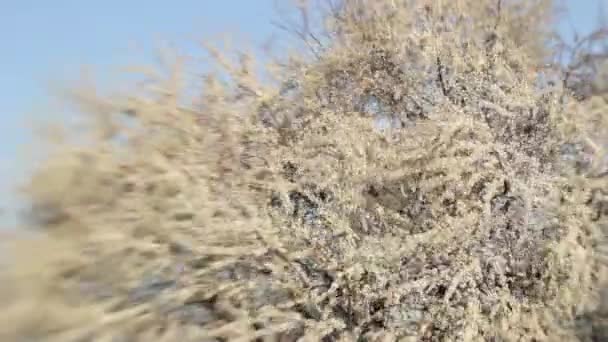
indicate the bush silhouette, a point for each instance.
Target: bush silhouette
{"x":408,"y":176}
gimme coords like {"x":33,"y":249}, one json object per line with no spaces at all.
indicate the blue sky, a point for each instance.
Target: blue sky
{"x":46,"y":41}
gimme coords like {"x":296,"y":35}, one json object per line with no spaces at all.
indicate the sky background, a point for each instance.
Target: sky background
{"x":48,"y":41}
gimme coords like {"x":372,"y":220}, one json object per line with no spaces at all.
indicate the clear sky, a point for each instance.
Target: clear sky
{"x":48,"y":41}
{"x":43,"y":41}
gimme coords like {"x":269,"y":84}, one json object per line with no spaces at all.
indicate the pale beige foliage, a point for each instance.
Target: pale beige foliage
{"x":407,"y":181}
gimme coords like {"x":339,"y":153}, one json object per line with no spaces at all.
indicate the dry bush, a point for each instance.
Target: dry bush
{"x":408,"y":180}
